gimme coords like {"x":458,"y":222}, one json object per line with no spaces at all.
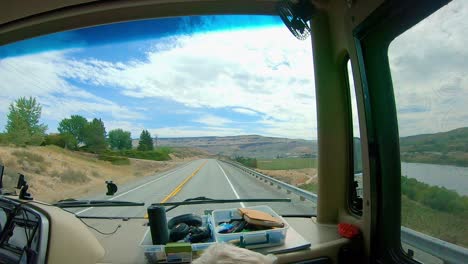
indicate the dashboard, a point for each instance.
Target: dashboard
{"x":36,"y":232}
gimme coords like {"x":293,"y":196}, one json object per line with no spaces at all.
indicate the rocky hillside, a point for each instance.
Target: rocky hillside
{"x":247,"y":146}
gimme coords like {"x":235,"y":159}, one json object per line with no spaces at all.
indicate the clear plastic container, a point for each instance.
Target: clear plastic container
{"x":254,"y":239}
{"x":157,"y":253}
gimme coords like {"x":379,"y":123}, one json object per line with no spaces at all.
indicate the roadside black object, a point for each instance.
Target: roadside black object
{"x":111,"y":188}
{"x":158,"y":225}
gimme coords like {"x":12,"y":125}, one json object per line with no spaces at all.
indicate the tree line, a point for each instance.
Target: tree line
{"x":76,"y":132}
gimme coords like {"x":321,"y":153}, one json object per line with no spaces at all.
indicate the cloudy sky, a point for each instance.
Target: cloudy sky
{"x":192,"y":77}
{"x":429,"y":65}
{"x":249,"y":78}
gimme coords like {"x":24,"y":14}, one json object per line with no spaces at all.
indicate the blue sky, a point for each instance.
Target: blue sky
{"x":176,"y":77}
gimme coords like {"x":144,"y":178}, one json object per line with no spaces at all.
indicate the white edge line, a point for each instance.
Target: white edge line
{"x":143,"y":239}
{"x":230,"y":184}
{"x":134,"y":189}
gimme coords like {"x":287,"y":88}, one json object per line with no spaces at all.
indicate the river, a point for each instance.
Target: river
{"x":451,"y":177}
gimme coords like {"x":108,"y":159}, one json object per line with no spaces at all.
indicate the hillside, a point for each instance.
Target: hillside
{"x":248,"y":146}
{"x":449,"y":148}
{"x":54,"y":173}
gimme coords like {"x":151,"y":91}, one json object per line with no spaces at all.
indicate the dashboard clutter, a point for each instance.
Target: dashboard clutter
{"x":259,"y":218}
{"x":252,"y":220}
{"x":186,"y":247}
{"x":348,"y":230}
{"x":188,"y":228}
{"x":158,"y":224}
{"x":190,"y":234}
{"x":253,"y":227}
{"x":189,"y":219}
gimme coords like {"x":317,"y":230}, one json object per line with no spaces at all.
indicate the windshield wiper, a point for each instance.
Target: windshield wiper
{"x":205,"y":200}
{"x":95,"y":203}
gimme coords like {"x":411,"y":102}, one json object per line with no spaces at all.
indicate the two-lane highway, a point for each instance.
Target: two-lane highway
{"x":207,"y":177}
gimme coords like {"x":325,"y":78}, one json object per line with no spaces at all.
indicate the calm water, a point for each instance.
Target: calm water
{"x":450,"y":177}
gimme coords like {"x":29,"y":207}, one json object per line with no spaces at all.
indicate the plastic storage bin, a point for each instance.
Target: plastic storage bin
{"x":159,"y":253}
{"x":254,"y":239}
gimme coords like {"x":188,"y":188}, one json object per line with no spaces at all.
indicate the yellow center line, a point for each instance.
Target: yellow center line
{"x":179,"y":187}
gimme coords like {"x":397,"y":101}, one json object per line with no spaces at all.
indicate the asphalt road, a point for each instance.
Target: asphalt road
{"x":207,"y":177}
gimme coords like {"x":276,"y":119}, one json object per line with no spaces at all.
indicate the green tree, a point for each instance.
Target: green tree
{"x":146,"y":142}
{"x":23,"y":126}
{"x":74,"y":126}
{"x":3,"y":138}
{"x":119,"y":139}
{"x":94,"y":136}
{"x":65,"y":140}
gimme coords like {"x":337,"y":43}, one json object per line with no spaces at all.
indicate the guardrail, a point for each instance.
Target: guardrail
{"x":303,"y":194}
{"x":445,"y":251}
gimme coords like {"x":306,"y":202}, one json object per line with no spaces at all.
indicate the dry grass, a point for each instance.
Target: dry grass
{"x":30,"y":162}
{"x":73,"y":176}
{"x":25,"y":155}
{"x":54,"y":173}
{"x":294,"y":177}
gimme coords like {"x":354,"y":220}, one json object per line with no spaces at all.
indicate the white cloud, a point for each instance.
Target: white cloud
{"x":254,"y":72}
{"x":264,"y":71}
{"x":212,"y":120}
{"x":244,"y":111}
{"x":133,"y":127}
{"x":429,"y":67}
{"x":188,"y":131}
{"x":41,"y":76}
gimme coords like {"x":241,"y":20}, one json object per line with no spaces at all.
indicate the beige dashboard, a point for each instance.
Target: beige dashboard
{"x":70,"y":241}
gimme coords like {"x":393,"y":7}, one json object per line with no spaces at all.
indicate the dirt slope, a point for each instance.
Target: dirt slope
{"x":54,"y":173}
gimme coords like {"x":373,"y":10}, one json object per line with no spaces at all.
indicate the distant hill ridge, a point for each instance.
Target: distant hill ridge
{"x":245,"y":145}
{"x":447,"y":148}
{"x":450,"y":141}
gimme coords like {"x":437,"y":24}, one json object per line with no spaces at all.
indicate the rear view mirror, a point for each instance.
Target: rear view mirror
{"x":111,"y":188}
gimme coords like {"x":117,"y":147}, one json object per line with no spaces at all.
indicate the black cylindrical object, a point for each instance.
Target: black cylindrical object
{"x":158,"y":224}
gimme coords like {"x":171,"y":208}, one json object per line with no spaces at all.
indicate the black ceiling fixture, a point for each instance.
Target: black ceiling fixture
{"x":296,"y":15}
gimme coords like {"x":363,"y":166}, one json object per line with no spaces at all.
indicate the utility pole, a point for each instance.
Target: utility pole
{"x":155,"y":140}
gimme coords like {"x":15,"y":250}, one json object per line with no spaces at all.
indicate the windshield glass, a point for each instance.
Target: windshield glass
{"x":168,"y":109}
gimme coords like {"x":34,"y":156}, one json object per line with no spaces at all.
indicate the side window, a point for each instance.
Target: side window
{"x":22,"y":236}
{"x":356,"y":182}
{"x":429,"y":68}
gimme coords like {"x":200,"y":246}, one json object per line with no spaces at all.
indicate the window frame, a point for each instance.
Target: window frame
{"x":350,"y":199}
{"x":372,"y":39}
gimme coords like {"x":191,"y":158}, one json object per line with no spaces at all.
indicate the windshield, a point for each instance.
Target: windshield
{"x":168,"y":109}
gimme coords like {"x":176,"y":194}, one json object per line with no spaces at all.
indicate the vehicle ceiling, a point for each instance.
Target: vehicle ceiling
{"x":22,"y":19}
